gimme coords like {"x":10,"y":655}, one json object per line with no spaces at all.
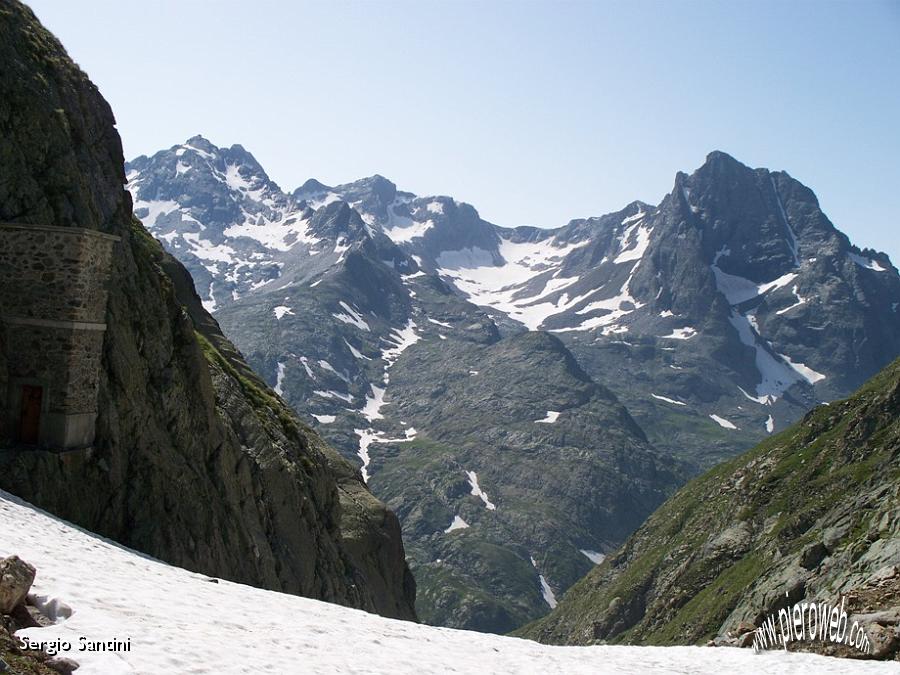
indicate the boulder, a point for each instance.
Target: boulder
{"x":62,"y":665}
{"x":884,"y":639}
{"x":813,"y":555}
{"x":16,"y":577}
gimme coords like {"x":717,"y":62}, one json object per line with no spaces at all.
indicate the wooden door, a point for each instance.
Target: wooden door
{"x":30,"y":417}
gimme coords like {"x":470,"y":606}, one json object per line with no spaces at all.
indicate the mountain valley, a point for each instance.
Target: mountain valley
{"x":571,"y":378}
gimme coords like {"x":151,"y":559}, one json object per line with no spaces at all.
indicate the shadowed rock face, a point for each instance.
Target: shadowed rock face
{"x":196,"y":461}
{"x":812,"y":514}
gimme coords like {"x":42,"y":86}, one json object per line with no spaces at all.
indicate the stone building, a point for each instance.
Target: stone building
{"x":52,"y":318}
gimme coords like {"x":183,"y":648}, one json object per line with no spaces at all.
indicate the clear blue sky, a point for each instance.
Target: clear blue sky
{"x":534,"y":112}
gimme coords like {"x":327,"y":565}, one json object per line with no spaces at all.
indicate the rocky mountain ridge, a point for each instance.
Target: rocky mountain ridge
{"x":747,"y":252}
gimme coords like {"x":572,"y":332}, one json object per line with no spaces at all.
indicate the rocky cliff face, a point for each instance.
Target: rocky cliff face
{"x":812,"y":514}
{"x":196,"y":461}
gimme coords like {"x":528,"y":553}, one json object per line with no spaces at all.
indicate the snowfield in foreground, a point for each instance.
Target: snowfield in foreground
{"x":179,"y":622}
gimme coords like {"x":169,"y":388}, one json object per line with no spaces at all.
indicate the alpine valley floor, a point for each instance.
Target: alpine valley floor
{"x":181,"y":622}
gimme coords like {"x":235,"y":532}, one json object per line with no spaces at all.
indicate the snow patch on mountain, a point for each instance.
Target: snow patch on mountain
{"x":279,"y":378}
{"x":593,"y":556}
{"x":800,"y":301}
{"x":457,"y":524}
{"x":807,"y":373}
{"x":792,"y":238}
{"x":777,"y":371}
{"x":633,"y":242}
{"x":668,"y":400}
{"x":154,"y":209}
{"x":762,"y":400}
{"x":281,"y":311}
{"x":351,"y":317}
{"x":552,"y":416}
{"x":325,"y":200}
{"x":501,"y":286}
{"x":686,"y":193}
{"x":334,"y":394}
{"x":206,"y":250}
{"x":210,"y":305}
{"x":356,"y":353}
{"x":402,"y":339}
{"x":546,"y":591}
{"x":478,"y":492}
{"x":277,"y":235}
{"x":722,"y":422}
{"x":372,"y":409}
{"x":738,"y":290}
{"x":325,"y":365}
{"x":684,"y":333}
{"x":406,"y":233}
{"x":305,"y":362}
{"x":403,"y":229}
{"x":866,"y":262}
{"x":615,"y":308}
{"x":776,"y":375}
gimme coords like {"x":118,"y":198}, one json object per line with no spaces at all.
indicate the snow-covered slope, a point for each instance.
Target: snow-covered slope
{"x":180,"y":622}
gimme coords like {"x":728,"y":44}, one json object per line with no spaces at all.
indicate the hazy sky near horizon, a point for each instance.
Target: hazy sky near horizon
{"x":534,"y":112}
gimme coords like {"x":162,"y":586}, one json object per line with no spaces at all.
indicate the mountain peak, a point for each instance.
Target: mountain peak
{"x":377,"y":178}
{"x":637,"y":206}
{"x":720,"y":158}
{"x":380,"y":186}
{"x":312,"y":186}
{"x":199,"y":141}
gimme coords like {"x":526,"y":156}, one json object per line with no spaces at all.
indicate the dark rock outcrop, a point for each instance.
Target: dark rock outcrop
{"x":196,"y":461}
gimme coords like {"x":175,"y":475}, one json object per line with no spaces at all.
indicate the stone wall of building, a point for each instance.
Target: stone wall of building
{"x":65,"y":361}
{"x":54,"y":273}
{"x":52,"y":311}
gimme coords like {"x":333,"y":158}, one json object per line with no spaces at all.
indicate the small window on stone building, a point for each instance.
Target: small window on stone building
{"x":30,"y":414}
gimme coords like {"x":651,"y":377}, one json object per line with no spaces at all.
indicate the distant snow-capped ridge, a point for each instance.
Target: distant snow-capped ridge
{"x":616,"y":275}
